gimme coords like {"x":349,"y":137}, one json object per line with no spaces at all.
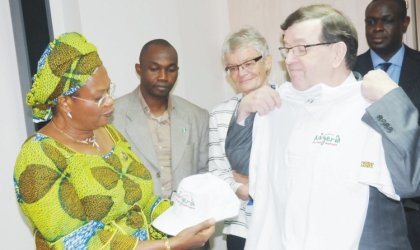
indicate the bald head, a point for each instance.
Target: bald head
{"x":158,"y":69}
{"x":401,"y":6}
{"x":159,"y":42}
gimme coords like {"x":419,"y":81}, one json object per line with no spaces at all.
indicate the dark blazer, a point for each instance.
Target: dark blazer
{"x":395,"y":112}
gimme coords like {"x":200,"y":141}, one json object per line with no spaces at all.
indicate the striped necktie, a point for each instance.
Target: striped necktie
{"x":385,"y":66}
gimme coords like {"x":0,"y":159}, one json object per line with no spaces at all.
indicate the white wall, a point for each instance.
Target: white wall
{"x":14,"y":230}
{"x":119,"y":29}
{"x":268,"y":15}
{"x":196,"y":29}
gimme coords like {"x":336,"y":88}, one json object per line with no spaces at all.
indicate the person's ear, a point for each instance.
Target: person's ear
{"x":406,"y":22}
{"x":62,"y":104}
{"x":138,"y":69}
{"x":267,"y":62}
{"x":339,"y":53}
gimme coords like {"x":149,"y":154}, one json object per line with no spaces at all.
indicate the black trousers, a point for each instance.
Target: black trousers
{"x":234,"y":242}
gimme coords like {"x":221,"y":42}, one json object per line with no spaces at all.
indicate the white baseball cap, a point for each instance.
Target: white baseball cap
{"x":198,"y":198}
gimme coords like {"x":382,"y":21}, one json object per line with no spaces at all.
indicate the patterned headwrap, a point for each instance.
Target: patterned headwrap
{"x":65,"y":66}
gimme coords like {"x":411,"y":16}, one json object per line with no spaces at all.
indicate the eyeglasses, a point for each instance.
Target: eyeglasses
{"x":300,"y":50}
{"x":102,"y":101}
{"x":248,"y":65}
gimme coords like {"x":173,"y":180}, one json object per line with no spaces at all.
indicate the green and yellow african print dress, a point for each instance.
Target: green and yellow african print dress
{"x":79,"y":201}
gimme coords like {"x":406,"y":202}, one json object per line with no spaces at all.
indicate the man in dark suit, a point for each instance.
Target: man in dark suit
{"x":386,"y":22}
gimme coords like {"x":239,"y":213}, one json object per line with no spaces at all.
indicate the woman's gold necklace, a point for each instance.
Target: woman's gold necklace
{"x":91,"y":140}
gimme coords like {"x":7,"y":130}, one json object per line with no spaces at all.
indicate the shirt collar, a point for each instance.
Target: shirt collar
{"x":318,"y":99}
{"x":318,"y":93}
{"x":146,"y":108}
{"x":397,"y":59}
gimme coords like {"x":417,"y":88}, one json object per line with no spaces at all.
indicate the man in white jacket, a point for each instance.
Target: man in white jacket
{"x":315,"y":166}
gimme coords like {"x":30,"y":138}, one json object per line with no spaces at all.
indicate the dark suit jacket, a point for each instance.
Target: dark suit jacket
{"x":399,"y":153}
{"x":385,"y":225}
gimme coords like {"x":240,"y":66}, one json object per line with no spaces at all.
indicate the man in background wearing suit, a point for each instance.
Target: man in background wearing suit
{"x":386,"y":22}
{"x":169,"y":134}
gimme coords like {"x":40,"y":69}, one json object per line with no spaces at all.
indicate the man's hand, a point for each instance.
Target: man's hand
{"x":376,"y":83}
{"x":262,"y":100}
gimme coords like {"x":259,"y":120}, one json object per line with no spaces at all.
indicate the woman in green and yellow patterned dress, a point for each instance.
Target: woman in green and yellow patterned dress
{"x":77,"y":180}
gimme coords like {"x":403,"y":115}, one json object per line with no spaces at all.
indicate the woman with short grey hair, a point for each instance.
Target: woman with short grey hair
{"x":248,"y":62}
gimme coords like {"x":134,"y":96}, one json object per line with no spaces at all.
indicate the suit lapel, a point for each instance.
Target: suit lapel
{"x":410,"y":75}
{"x":180,"y":131}
{"x":408,"y":70}
{"x":138,"y":130}
{"x":364,"y":63}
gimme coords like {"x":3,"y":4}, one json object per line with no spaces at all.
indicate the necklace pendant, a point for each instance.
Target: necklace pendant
{"x":83,"y":141}
{"x":96,"y":145}
{"x":86,"y":141}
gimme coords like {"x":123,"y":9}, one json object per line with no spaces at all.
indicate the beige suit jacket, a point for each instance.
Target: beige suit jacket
{"x":189,"y":137}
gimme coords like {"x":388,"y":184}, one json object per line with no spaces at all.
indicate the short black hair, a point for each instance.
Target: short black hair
{"x":161,"y":42}
{"x":402,"y":5}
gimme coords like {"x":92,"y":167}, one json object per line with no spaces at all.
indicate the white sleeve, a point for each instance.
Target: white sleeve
{"x":218,"y":163}
{"x":373,"y":169}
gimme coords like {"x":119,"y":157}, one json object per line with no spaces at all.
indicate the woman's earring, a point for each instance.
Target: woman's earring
{"x":69,"y":114}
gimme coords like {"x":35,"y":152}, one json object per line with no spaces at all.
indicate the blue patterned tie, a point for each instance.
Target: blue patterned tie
{"x":385,"y":66}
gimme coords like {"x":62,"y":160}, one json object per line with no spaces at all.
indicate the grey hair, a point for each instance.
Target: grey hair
{"x":336,"y":27}
{"x":246,"y":37}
